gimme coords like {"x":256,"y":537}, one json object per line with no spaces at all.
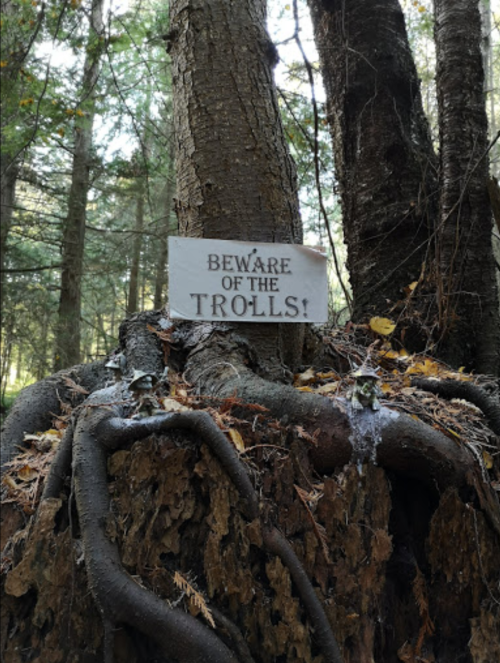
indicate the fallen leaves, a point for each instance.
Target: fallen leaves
{"x":236,"y":439}
{"x":25,"y":473}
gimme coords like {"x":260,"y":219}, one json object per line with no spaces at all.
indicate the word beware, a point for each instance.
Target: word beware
{"x":246,"y":281}
{"x":250,"y":263}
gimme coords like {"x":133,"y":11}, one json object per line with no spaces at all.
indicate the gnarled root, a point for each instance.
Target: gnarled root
{"x":119,"y":598}
{"x":36,"y":406}
{"x":468,"y":391}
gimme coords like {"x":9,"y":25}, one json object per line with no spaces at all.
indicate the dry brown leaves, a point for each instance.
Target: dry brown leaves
{"x":22,"y":483}
{"x":457,"y":419}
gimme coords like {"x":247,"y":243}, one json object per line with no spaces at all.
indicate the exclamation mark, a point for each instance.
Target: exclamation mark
{"x":305,"y":302}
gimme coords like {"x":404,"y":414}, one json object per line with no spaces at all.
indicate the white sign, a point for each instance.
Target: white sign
{"x":211,"y":279}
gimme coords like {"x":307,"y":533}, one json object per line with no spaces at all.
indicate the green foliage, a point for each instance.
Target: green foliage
{"x":42,"y":111}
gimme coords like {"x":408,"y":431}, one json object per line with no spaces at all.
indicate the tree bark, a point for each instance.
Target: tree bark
{"x":164,"y":233}
{"x":8,"y":177}
{"x":133,"y":286}
{"x":384,"y":158}
{"x":235,"y":176}
{"x":68,"y":337}
{"x":468,"y":295}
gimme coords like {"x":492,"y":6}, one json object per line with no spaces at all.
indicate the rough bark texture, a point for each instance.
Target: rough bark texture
{"x":384,"y":158}
{"x":225,"y":104}
{"x":235,"y":176}
{"x":67,"y":341}
{"x":469,"y":315}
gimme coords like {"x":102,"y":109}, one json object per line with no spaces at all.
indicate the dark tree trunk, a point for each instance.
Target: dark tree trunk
{"x":141,"y":198}
{"x":163,"y":230}
{"x":8,"y":179}
{"x":384,"y":159}
{"x":235,"y":176}
{"x":133,"y":286}
{"x":468,"y":295}
{"x":68,"y":337}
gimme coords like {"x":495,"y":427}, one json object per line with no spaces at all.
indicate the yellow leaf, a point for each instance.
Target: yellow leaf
{"x":488,"y":460}
{"x":389,"y":354}
{"x":237,"y":439}
{"x":171,"y":405}
{"x":3,"y":63}
{"x":382,"y":326}
{"x":426,"y":367}
{"x":386,"y":388}
{"x":330,"y":375}
{"x":27,"y":473}
{"x":9,"y":481}
{"x":305,"y":378}
{"x":329,"y":388}
{"x":80,"y":113}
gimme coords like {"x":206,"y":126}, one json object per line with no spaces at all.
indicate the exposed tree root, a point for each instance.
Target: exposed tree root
{"x":405,"y":446}
{"x":37,"y":405}
{"x":219,"y":366}
{"x":468,"y":391}
{"x":119,"y":598}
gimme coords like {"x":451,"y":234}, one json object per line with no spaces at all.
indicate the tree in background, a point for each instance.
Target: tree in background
{"x":67,"y":338}
{"x":43,"y":127}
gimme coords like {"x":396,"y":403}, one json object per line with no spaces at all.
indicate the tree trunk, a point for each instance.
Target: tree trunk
{"x":67,"y":340}
{"x":14,"y":51}
{"x":384,"y":159}
{"x":142,"y":193}
{"x":8,"y":179}
{"x":468,"y":296}
{"x":235,"y":176}
{"x":163,"y":235}
{"x":133,"y":287}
